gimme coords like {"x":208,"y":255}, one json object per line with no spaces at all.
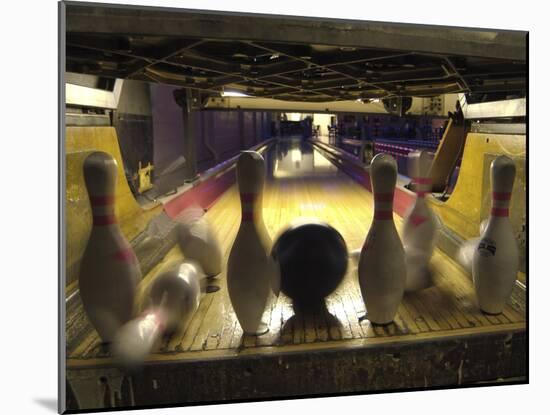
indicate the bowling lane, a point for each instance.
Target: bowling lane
{"x":302,"y":183}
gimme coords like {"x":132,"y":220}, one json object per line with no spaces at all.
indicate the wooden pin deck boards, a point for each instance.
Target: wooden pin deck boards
{"x":439,"y":336}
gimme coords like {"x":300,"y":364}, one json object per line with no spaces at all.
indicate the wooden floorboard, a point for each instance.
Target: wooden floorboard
{"x":330,"y":196}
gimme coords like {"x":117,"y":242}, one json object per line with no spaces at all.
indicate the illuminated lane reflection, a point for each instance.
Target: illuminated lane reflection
{"x":293,"y":158}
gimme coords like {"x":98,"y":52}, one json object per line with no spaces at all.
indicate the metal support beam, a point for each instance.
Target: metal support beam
{"x":291,"y":58}
{"x":188,"y":100}
{"x":241,"y":129}
{"x":118,"y":19}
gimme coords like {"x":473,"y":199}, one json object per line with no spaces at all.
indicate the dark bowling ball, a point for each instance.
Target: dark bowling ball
{"x":313,"y":259}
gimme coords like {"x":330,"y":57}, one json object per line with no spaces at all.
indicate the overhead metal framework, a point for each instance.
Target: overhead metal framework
{"x":289,"y":58}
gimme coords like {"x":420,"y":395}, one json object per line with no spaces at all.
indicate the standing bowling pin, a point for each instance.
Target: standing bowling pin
{"x":198,"y":242}
{"x":174,"y":297}
{"x":496,"y":259}
{"x":251,"y":273}
{"x":382,"y":270}
{"x":419,"y":229}
{"x":109,"y":271}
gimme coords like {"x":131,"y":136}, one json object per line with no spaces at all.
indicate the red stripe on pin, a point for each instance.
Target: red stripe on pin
{"x":418,"y":220}
{"x":248,"y":197}
{"x":383,"y":197}
{"x":102,"y":200}
{"x":383,"y":214}
{"x":104,"y":220}
{"x":502,"y":212}
{"x":502,"y":195}
{"x":157,"y":316}
{"x":126,"y":255}
{"x":160,"y":320}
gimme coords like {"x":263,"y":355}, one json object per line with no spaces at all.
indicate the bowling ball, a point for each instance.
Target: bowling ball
{"x":313,"y":259}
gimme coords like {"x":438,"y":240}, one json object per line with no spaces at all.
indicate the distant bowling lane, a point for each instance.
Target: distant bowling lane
{"x":302,"y":183}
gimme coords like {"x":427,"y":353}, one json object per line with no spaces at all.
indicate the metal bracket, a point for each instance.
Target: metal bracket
{"x":91,"y":386}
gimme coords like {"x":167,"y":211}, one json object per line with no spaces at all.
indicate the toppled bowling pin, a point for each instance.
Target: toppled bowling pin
{"x":135,"y":340}
{"x":420,"y":225}
{"x":109,"y":271}
{"x":251,"y":272}
{"x":182,"y":282}
{"x":174,"y":296}
{"x":198,"y":242}
{"x":382,"y":270}
{"x":496,"y":258}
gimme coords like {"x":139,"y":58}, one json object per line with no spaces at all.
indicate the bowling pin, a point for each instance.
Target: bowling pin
{"x":382,"y":270}
{"x":109,"y":270}
{"x":496,"y":258}
{"x":135,"y":339}
{"x":173,"y":298}
{"x":420,"y":225}
{"x":251,"y":273}
{"x":198,"y":242}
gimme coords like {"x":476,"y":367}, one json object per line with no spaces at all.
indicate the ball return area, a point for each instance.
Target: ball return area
{"x":439,"y":336}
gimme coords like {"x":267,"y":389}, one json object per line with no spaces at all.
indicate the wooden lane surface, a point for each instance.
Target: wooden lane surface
{"x":334,"y":198}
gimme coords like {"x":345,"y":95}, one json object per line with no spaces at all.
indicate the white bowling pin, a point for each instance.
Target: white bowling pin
{"x":198,"y":241}
{"x":109,"y":271}
{"x":382,"y":269}
{"x":173,"y":298}
{"x":251,"y":273}
{"x":420,"y":225}
{"x":496,"y":259}
{"x":135,"y":339}
{"x":182,"y":283}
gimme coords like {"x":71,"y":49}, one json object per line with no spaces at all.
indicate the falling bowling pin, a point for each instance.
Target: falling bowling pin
{"x":251,"y":273}
{"x":496,"y":259}
{"x":135,"y":339}
{"x":109,"y":271}
{"x":173,"y":298}
{"x":382,"y":270}
{"x":420,"y":225}
{"x":198,"y":241}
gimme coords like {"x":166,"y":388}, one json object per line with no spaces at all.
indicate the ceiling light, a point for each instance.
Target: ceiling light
{"x":234,"y":94}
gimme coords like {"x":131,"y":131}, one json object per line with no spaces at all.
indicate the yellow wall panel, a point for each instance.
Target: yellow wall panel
{"x":80,"y":142}
{"x":470,"y":202}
